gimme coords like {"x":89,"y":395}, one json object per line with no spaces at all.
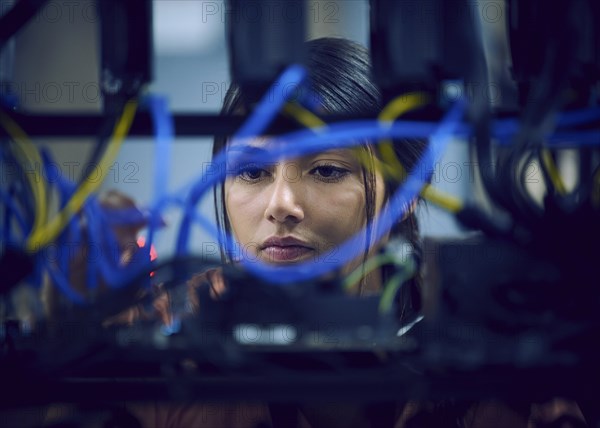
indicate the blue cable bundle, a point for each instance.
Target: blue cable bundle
{"x":94,"y":229}
{"x":343,"y":135}
{"x":304,"y":142}
{"x":98,"y":224}
{"x":57,"y":265}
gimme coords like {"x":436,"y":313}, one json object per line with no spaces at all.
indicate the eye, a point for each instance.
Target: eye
{"x":329,"y":173}
{"x":251,"y":173}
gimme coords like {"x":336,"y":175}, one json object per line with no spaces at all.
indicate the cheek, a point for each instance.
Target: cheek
{"x":243,"y":209}
{"x":339,"y":213}
{"x":380,"y":201}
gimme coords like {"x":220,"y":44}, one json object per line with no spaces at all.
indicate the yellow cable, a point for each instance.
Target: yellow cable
{"x":394,"y":109}
{"x":391,"y":166}
{"x":305,"y":117}
{"x":26,"y":152}
{"x":442,"y":199}
{"x":394,"y":167}
{"x":310,"y":120}
{"x":51,"y":230}
{"x":553,"y":172}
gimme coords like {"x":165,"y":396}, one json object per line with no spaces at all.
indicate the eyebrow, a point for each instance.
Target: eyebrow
{"x":247,"y":149}
{"x":252,"y":150}
{"x":342,"y":153}
{"x":339,"y":152}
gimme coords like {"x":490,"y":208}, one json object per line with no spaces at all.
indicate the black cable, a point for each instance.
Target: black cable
{"x":19,"y":185}
{"x":547,"y":92}
{"x":480,"y":115}
{"x":567,"y":203}
{"x":104,"y":134}
{"x":506,"y":188}
{"x":522,"y":180}
{"x":586,"y":174}
{"x":17,"y":17}
{"x":99,"y":149}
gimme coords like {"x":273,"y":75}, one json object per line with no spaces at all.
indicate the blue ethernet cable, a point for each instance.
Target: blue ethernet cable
{"x":339,"y":135}
{"x":572,"y":139}
{"x":63,"y":285}
{"x":268,"y":107}
{"x":306,"y":142}
{"x":271,"y":104}
{"x":164,"y":135}
{"x":397,"y":204}
{"x":577,"y":117}
{"x":107,"y":265}
{"x":11,"y":210}
{"x":297,"y":144}
{"x":65,"y":189}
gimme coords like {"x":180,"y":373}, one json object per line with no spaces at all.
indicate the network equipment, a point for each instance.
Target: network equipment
{"x":521,"y":297}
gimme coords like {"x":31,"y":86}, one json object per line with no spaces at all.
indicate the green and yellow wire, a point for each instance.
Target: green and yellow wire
{"x":406,"y":271}
{"x":369,"y":266}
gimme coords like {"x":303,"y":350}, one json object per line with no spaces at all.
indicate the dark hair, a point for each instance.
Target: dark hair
{"x":340,"y":75}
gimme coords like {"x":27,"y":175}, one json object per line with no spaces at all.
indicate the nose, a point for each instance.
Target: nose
{"x":285,"y":203}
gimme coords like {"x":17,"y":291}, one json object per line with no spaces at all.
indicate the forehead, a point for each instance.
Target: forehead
{"x":262,"y":143}
{"x":241,"y":143}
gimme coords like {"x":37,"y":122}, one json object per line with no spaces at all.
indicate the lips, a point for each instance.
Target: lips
{"x":285,"y":249}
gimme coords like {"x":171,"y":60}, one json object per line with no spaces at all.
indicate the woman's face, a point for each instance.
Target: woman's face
{"x":298,"y":210}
